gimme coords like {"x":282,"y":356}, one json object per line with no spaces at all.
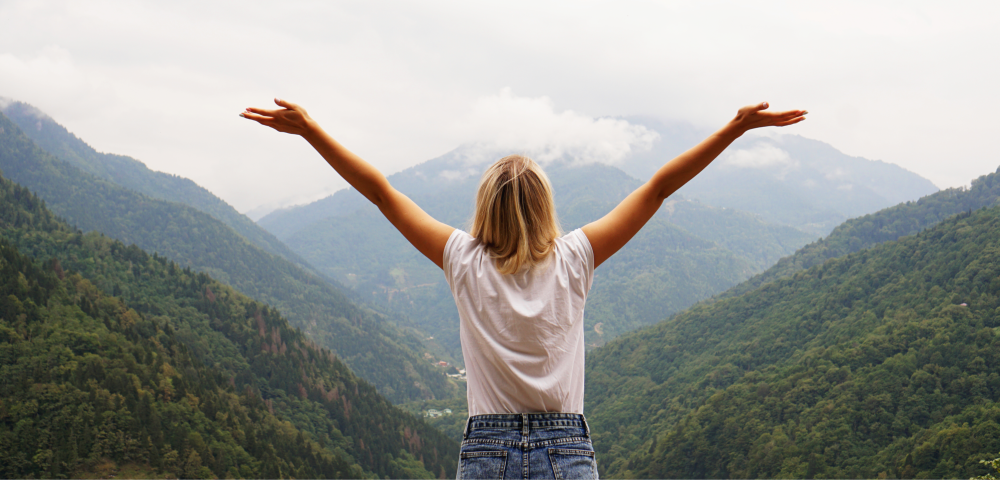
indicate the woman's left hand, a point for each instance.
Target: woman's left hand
{"x":291,"y":118}
{"x":755,"y":116}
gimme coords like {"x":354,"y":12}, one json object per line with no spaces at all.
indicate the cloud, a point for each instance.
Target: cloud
{"x":50,"y":72}
{"x":759,"y":156}
{"x":403,"y":82}
{"x":532,"y":126}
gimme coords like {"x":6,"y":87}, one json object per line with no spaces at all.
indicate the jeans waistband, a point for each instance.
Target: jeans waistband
{"x":525,"y":422}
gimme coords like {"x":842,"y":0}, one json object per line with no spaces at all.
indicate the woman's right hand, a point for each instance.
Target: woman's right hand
{"x":428,"y":235}
{"x":755,"y":116}
{"x":291,"y":118}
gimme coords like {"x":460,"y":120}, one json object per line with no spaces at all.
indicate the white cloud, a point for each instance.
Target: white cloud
{"x":836,"y":173}
{"x":453,"y":175}
{"x":163,"y":81}
{"x":49,"y":73}
{"x":759,"y":156}
{"x":531,"y":125}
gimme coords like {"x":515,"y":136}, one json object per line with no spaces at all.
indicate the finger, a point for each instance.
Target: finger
{"x":752,"y":109}
{"x":786,"y":113}
{"x":261,"y":119}
{"x":286,"y":104}
{"x":254,"y":116}
{"x":795,"y":113}
{"x":790,"y":122}
{"x":264,"y":111}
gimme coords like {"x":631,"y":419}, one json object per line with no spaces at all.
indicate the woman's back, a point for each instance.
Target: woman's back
{"x":522,"y":334}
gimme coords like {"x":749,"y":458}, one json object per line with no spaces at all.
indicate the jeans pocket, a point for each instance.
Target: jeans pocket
{"x":573,"y":463}
{"x":482,"y":464}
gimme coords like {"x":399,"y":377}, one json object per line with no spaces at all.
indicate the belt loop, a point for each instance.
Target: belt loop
{"x":524,"y":425}
{"x":586,"y":426}
{"x":468,"y":426}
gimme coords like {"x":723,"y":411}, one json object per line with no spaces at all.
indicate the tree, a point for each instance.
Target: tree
{"x":994,"y":466}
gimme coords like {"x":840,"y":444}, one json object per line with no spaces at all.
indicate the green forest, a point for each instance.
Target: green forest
{"x":114,"y":360}
{"x":880,"y":363}
{"x":367,"y":340}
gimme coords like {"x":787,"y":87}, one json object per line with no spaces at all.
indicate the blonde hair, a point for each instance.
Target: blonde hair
{"x":515,"y":214}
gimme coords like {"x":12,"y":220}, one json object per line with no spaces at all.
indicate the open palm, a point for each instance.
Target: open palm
{"x":756,"y":116}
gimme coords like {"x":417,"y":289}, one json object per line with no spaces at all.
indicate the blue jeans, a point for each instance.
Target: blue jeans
{"x":527,"y":445}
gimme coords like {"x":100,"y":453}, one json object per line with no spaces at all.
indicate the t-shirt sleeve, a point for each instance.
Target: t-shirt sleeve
{"x":581,"y":244}
{"x":452,"y":254}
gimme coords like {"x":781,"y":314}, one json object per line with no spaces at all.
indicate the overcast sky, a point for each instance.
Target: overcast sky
{"x":911,"y":83}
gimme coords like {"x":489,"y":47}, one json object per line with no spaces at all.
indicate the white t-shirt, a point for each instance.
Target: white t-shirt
{"x":522,"y":334}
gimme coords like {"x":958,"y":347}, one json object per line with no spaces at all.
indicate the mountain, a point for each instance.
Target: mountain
{"x":366,"y":340}
{"x":699,"y":250}
{"x":889,"y":224}
{"x":114,"y":361}
{"x":879,"y":363}
{"x":134,"y":175}
{"x":786,"y":179}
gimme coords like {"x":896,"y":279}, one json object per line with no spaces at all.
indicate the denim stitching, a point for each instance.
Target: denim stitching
{"x":503,"y":462}
{"x":571,"y":451}
{"x":495,"y":453}
{"x":555,"y":467}
{"x":516,"y":444}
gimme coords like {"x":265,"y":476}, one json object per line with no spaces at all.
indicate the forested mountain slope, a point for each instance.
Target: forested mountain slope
{"x":786,"y":179}
{"x":688,"y":252}
{"x":373,"y":347}
{"x":880,"y":363}
{"x":889,"y":224}
{"x":114,"y":361}
{"x":133,"y":174}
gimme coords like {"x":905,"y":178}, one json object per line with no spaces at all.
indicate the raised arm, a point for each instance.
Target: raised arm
{"x":614,"y":230}
{"x":422,"y":230}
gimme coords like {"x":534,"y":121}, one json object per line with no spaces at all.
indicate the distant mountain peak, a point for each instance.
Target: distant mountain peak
{"x":785,"y":178}
{"x":8,"y":104}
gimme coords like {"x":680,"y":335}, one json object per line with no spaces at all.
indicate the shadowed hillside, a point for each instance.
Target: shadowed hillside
{"x":366,"y":340}
{"x":114,"y":361}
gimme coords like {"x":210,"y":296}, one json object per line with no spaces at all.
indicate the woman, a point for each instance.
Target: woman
{"x":520,"y":287}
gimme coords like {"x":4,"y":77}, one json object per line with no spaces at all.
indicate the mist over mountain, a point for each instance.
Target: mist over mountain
{"x":786,"y":179}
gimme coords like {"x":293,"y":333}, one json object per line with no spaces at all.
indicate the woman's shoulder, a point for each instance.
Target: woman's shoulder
{"x":576,"y":240}
{"x":459,"y":249}
{"x":576,"y":245}
{"x":461,"y":239}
